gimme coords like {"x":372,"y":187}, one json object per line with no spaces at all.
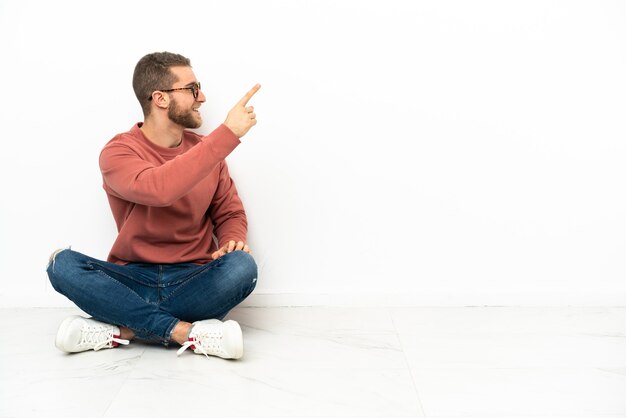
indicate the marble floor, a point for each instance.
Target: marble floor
{"x":334,"y":362}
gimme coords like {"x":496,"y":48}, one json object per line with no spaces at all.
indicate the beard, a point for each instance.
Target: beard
{"x":184,"y":117}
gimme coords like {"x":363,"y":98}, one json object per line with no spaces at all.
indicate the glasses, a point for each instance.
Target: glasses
{"x":195,"y":90}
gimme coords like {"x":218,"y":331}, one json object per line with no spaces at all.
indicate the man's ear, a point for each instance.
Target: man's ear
{"x":160,"y":99}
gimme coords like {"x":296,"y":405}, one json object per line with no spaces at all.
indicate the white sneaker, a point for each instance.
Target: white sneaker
{"x":80,"y":334}
{"x":213,"y":337}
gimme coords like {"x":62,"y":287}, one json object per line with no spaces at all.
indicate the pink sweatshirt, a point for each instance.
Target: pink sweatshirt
{"x":168,"y":202}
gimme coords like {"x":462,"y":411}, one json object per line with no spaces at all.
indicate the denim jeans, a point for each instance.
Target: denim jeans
{"x":151,"y":299}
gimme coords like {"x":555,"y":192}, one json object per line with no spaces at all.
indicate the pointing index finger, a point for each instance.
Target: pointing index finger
{"x":248,"y":96}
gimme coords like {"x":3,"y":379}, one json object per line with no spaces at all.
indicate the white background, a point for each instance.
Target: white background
{"x":407,"y":152}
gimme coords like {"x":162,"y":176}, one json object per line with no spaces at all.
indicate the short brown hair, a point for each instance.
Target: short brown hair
{"x":152,"y":72}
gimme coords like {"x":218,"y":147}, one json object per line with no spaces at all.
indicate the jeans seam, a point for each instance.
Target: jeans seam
{"x":144,"y":330}
{"x":131,"y":278}
{"x":181,"y":286}
{"x":201,"y":270}
{"x":170,"y":329}
{"x":183,"y":283}
{"x":159,"y":281}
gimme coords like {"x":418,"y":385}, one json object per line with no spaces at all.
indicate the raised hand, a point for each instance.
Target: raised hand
{"x":242,"y":117}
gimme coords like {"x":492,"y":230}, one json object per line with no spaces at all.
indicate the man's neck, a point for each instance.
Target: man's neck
{"x":163,"y":133}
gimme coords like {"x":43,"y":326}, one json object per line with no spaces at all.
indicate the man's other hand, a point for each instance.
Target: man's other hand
{"x":241,"y":117}
{"x":230,"y":247}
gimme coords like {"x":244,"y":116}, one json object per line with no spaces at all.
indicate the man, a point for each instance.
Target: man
{"x":166,"y":278}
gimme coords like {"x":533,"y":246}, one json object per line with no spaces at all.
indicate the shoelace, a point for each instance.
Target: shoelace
{"x":203,"y":341}
{"x":100,"y":337}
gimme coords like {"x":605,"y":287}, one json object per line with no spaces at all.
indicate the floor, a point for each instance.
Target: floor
{"x":334,"y":362}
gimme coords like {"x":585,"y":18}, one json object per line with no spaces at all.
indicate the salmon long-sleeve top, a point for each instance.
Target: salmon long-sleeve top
{"x":168,"y":203}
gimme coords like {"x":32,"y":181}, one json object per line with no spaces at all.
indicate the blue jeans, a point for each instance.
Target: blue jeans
{"x":151,"y":299}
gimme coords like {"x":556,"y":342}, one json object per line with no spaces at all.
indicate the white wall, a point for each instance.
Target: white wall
{"x":428,"y":153}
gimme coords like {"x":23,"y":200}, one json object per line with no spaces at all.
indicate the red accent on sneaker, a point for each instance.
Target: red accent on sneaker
{"x":114,"y":344}
{"x":193,"y":347}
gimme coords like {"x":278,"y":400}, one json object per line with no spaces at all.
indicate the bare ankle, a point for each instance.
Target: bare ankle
{"x":180,"y":332}
{"x":126,"y":333}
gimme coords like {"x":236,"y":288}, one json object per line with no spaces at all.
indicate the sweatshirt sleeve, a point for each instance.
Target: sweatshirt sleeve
{"x":227,"y":212}
{"x":135,"y":180}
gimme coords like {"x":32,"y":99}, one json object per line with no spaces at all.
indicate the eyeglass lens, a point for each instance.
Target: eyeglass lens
{"x":195,"y":89}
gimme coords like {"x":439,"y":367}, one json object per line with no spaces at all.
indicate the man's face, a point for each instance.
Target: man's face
{"x":184,"y":108}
